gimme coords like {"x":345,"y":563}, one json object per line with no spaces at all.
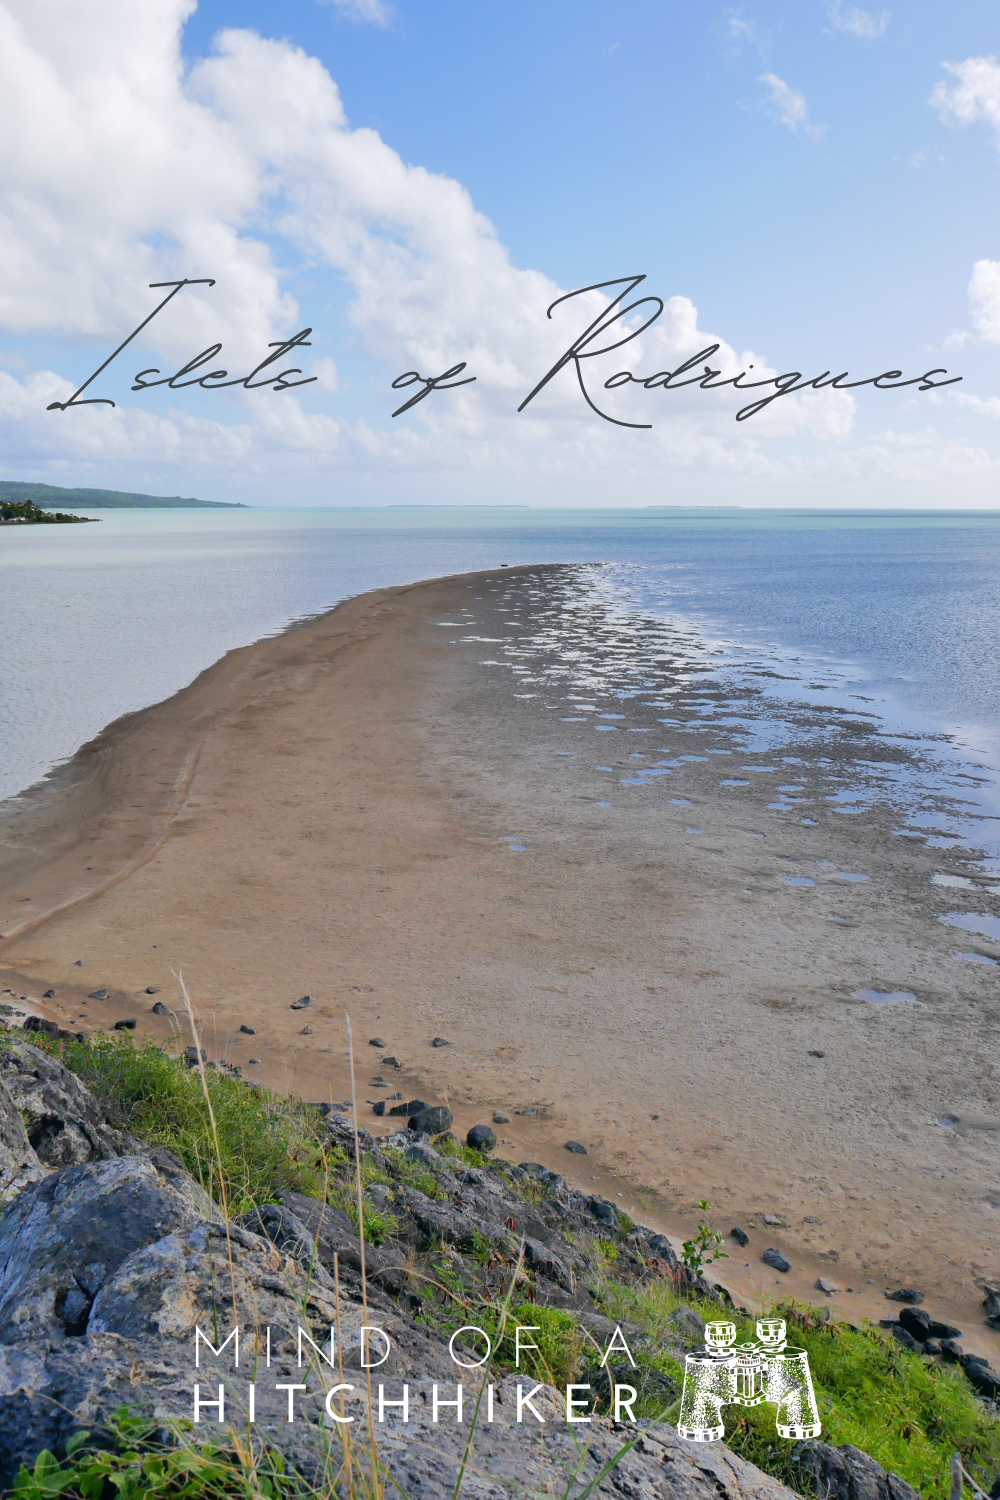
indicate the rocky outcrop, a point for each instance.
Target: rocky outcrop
{"x":63,"y":1122}
{"x":846,"y":1473}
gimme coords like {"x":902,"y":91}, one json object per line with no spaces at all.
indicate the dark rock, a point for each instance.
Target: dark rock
{"x":439,"y":1041}
{"x":98,"y":995}
{"x":542,"y":1260}
{"x":689,"y":1324}
{"x":301,"y":1003}
{"x":890,"y":1322}
{"x":323,"y":1108}
{"x":499,"y":1118}
{"x":772,"y":1257}
{"x":191,"y":1056}
{"x":399,"y":1109}
{"x":907,"y":1340}
{"x":152,"y":989}
{"x":76,"y":1227}
{"x":306,"y":1031}
{"x":18,"y":1163}
{"x":49,"y":995}
{"x":906,"y":1294}
{"x":846,"y":1473}
{"x":663,"y":1251}
{"x":391,"y":1062}
{"x":61,"y":1117}
{"x":481,"y":1138}
{"x":376,"y":1041}
{"x":916,"y":1322}
{"x":47,"y":1028}
{"x":985,"y":1379}
{"x":433,"y":1120}
{"x":159,"y":1009}
{"x":951,"y":1351}
{"x":128,"y":1025}
{"x":378,"y":1108}
{"x":739,"y":1235}
{"x":576,"y":1148}
{"x":932,"y":1346}
{"x":991,"y":1302}
{"x":249,"y":1030}
{"x":813,"y":1053}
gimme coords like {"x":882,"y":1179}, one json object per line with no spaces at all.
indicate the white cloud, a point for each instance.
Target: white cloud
{"x":974,"y":95}
{"x":373,"y":11}
{"x":984,"y":299}
{"x":859,"y":22}
{"x":120,"y":168}
{"x":988,"y":407}
{"x":789,"y":106}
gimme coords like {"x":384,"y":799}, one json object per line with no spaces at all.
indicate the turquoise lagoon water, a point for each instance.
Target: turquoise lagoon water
{"x":902,"y":609}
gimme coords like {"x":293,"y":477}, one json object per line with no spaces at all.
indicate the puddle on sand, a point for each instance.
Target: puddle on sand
{"x":796,"y":880}
{"x":885,"y":997}
{"x":854,"y":879}
{"x":981,"y":922}
{"x":956,"y":880}
{"x":810,"y":822}
{"x":680,"y":801}
{"x":734,"y":782}
{"x":976,"y":958}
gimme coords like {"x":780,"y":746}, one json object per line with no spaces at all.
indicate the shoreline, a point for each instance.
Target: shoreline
{"x":407,"y":769}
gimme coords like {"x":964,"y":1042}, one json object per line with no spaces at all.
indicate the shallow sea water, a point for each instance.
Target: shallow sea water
{"x":887,"y":618}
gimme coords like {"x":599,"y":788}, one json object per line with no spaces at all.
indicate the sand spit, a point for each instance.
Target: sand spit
{"x":486,"y":810}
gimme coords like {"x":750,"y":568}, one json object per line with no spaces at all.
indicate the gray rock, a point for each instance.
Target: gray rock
{"x":932,"y":1346}
{"x":481,"y":1138}
{"x":76,"y":1227}
{"x":438,"y":1221}
{"x":772,"y":1257}
{"x":576,"y":1148}
{"x":191,"y":1056}
{"x":907,"y":1340}
{"x":152,"y":989}
{"x":301,"y":1004}
{"x":951,"y":1351}
{"x":688,"y":1324}
{"x":824,"y":1285}
{"x":61,"y":1117}
{"x":991,"y":1302}
{"x":739,"y":1235}
{"x":98,"y":995}
{"x":391,"y":1062}
{"x":439,"y":1041}
{"x":846,"y":1473}
{"x":546,"y":1263}
{"x":376,"y":1041}
{"x":906,"y":1294}
{"x":249,"y":1030}
{"x":19,"y":1165}
{"x":49,"y":995}
{"x":499,"y":1118}
{"x":435,"y":1119}
{"x":922,"y":1326}
{"x":159,"y":1009}
{"x":985,"y":1379}
{"x":663,"y":1250}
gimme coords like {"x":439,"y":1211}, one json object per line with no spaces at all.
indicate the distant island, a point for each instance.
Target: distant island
{"x":47,"y":496}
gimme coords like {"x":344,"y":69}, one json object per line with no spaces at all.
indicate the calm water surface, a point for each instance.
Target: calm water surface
{"x":99,"y":620}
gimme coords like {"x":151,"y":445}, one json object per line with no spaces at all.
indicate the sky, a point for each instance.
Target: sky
{"x":810,"y":188}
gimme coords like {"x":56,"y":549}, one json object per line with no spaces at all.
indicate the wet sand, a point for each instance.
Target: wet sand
{"x":371,"y":810}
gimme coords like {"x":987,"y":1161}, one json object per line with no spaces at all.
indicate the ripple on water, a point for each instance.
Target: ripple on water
{"x":885,"y":997}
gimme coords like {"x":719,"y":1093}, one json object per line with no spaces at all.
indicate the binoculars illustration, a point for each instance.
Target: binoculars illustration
{"x":726,"y":1373}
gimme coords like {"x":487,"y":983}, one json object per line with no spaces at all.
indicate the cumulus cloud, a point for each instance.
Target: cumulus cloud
{"x":974,"y":93}
{"x":121,"y":168}
{"x":788,"y":106}
{"x":858,"y":22}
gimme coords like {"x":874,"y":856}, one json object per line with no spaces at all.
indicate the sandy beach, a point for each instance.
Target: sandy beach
{"x":436,"y":809}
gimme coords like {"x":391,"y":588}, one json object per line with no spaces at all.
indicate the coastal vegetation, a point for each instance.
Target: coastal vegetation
{"x":250,"y":1147}
{"x":26,"y":513}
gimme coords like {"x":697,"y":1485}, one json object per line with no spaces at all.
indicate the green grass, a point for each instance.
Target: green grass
{"x":268,"y":1144}
{"x":910,"y":1415}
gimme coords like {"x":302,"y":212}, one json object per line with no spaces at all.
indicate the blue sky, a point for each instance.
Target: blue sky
{"x":812,"y":183}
